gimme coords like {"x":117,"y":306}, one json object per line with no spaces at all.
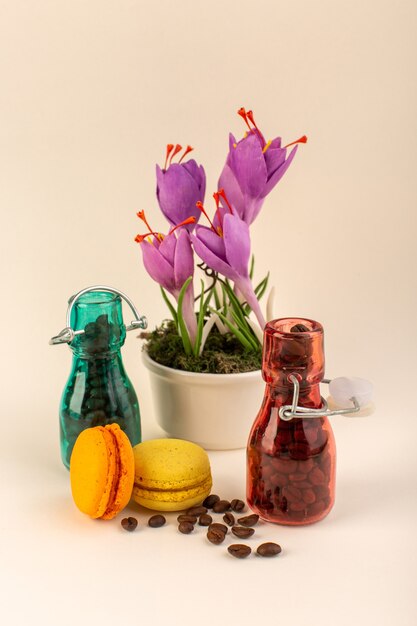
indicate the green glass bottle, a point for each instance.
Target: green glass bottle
{"x":98,"y":390}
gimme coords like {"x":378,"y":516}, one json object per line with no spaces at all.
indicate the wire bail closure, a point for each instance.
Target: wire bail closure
{"x":67,"y":334}
{"x":289,"y":411}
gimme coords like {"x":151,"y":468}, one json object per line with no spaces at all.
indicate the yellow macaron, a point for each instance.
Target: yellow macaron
{"x":102,"y":471}
{"x":170,"y":474}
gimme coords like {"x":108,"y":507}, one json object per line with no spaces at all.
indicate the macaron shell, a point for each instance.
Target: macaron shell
{"x":92,"y":471}
{"x":170,"y":474}
{"x":175,"y":500}
{"x":170,"y":464}
{"x":125,"y":472}
{"x":156,"y":505}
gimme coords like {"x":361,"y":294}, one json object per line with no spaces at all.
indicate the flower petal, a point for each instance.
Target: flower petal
{"x":177,"y":192}
{"x":184,"y":259}
{"x":275,"y":143}
{"x":232,"y":141}
{"x":248,"y":165}
{"x":212,"y":241}
{"x":229,"y":183}
{"x":246,"y":288}
{"x":274,"y":158}
{"x":167,"y":248}
{"x":213,"y":261}
{"x":253,"y":206}
{"x":157,"y":266}
{"x":198,"y":174}
{"x":279,"y":173}
{"x":237,"y":243}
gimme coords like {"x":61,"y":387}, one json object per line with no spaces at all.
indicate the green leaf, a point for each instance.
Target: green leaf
{"x":252,"y":266}
{"x":181,"y":324}
{"x":246,"y":330}
{"x":201,"y":315}
{"x":261,"y":288}
{"x":234,"y":301}
{"x":259,"y":292}
{"x":216,"y":298}
{"x":169,"y":305}
{"x":240,"y":336}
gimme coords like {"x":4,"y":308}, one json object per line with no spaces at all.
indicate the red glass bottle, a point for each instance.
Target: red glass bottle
{"x":291,"y":464}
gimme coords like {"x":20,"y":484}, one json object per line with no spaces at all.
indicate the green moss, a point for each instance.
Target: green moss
{"x":223,"y":354}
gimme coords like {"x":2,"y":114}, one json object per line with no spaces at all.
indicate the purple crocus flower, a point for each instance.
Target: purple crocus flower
{"x":226,"y":250}
{"x":179,"y":187}
{"x":253,"y":167}
{"x":169,"y":260}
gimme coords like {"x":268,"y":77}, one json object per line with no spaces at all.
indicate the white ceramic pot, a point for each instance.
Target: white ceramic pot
{"x":214,"y":410}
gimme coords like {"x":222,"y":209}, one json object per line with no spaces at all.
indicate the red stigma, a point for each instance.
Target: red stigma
{"x":216,"y":197}
{"x":186,"y":151}
{"x":244,"y":115}
{"x":222,"y":194}
{"x":200,"y":206}
{"x":170,"y":147}
{"x":302,"y":139}
{"x":249,"y":115}
{"x":141,"y":216}
{"x":177,"y":149}
{"x":140,"y":238}
{"x":189,"y":220}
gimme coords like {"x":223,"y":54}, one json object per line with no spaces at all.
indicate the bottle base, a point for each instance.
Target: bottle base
{"x":286,"y":520}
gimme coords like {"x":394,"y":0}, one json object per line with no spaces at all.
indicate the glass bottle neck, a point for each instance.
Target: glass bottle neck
{"x":309,"y":395}
{"x":99,"y":315}
{"x":103,"y":355}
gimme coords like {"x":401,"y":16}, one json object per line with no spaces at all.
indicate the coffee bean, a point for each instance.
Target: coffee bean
{"x":93,"y":404}
{"x":292,"y":493}
{"x":237,"y":505}
{"x":187,"y":518}
{"x":185,"y":528}
{"x":297,"y":505}
{"x":297,"y":477}
{"x":299,"y":328}
{"x":129,"y":523}
{"x":317,"y":477}
{"x":299,"y":451}
{"x":205,"y":520}
{"x":249,"y":520}
{"x":218,"y":526}
{"x":229,"y":519}
{"x":221,"y":506}
{"x":269,"y":549}
{"x":309,"y":496}
{"x":156,"y":521}
{"x":279,"y":480}
{"x":215,"y":535}
{"x":321,"y":492}
{"x":210,"y":501}
{"x":97,"y":418}
{"x":303,"y":484}
{"x":197,"y":510}
{"x":239,"y":550}
{"x":285,"y":466}
{"x":243,"y":532}
{"x":305,"y":466}
{"x":316,"y":507}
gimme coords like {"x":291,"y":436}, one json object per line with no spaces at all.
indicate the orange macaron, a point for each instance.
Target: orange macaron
{"x":102,"y":470}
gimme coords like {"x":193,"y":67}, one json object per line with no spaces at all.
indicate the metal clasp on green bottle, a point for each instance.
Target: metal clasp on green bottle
{"x":67,"y":334}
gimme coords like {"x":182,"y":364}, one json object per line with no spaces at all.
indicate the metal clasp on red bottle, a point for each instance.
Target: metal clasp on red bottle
{"x":67,"y":334}
{"x":358,"y":391}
